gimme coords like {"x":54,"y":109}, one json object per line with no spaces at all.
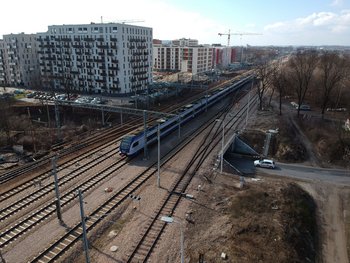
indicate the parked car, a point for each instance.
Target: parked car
{"x":294,"y":104}
{"x":303,"y":107}
{"x":265,"y":163}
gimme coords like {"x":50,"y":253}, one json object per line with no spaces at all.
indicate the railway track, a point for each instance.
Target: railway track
{"x":63,"y":165}
{"x":155,"y":227}
{"x":36,"y":217}
{"x":46,"y":160}
{"x":74,"y":174}
{"x":61,"y":245}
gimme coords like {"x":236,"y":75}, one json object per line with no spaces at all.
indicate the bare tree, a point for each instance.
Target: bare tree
{"x":6,"y":113}
{"x":279,"y":81}
{"x":263,"y":71}
{"x":302,"y":66}
{"x":333,"y":72}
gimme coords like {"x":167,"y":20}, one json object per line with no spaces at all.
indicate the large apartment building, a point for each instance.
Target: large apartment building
{"x":109,"y":58}
{"x":20,"y":60}
{"x":182,"y":57}
{"x":2,"y":65}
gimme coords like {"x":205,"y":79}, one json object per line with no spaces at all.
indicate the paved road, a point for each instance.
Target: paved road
{"x":338,"y":176}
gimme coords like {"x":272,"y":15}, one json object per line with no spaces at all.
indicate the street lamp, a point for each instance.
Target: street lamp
{"x":222,"y":143}
{"x":169,"y":220}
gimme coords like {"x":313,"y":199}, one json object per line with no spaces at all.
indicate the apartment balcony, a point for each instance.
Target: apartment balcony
{"x":66,"y":39}
{"x":142,"y":78}
{"x":78,"y":46}
{"x":114,"y":39}
{"x":99,"y":60}
{"x":115,"y":61}
{"x":114,"y":46}
{"x":111,"y":54}
{"x":104,"y":46}
{"x":113,"y":68}
{"x":90,"y":60}
{"x":135,"y":60}
{"x":137,"y":53}
{"x":101,"y":53}
{"x":89,"y":39}
{"x":141,"y":47}
{"x":101,"y":39}
{"x":51,"y":58}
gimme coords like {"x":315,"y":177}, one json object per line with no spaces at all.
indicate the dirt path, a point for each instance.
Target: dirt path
{"x":331,"y":221}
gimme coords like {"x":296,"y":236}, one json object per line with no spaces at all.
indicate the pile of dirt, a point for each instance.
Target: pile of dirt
{"x":265,"y":222}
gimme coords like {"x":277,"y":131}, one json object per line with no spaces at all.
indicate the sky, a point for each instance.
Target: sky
{"x":278,"y":22}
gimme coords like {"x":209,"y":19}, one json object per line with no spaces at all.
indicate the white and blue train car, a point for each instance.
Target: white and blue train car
{"x":134,"y":142}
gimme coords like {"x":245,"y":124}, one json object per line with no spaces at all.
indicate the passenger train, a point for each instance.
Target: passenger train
{"x":133,"y":142}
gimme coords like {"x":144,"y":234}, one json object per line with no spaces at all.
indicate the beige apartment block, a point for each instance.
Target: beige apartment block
{"x":192,"y":59}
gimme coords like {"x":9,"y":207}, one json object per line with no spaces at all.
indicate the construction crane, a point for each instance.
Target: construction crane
{"x":229,"y":34}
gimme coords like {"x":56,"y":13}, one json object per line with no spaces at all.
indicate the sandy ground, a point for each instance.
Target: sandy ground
{"x":331,"y":215}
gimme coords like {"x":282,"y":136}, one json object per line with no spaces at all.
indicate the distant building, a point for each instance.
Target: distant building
{"x":181,"y":57}
{"x":185,"y":42}
{"x":222,"y":56}
{"x":157,"y":42}
{"x":20,"y":60}
{"x":96,"y":58}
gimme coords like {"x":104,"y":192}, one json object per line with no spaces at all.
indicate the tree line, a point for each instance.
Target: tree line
{"x":320,"y":77}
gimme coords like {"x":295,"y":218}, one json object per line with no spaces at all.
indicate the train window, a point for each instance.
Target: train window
{"x":135,"y":144}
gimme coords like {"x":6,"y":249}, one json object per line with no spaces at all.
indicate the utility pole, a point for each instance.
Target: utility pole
{"x":103,"y":117}
{"x":145,"y":149}
{"x":32,"y":128}
{"x":58,"y":125}
{"x":58,"y":201}
{"x":158,"y":173}
{"x":85,"y":241}
{"x":246,"y":120}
